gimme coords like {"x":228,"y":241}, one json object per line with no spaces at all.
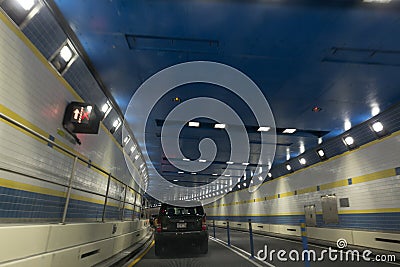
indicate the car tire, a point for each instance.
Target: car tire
{"x":157,"y":249}
{"x":204,"y":247}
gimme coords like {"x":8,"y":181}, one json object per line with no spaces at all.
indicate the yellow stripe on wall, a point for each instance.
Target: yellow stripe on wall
{"x":374,"y":176}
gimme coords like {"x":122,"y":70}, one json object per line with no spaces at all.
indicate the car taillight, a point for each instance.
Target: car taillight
{"x":158,"y":226}
{"x":204,"y":223}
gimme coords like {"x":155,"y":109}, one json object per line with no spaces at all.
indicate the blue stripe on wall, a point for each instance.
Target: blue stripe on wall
{"x":23,"y":204}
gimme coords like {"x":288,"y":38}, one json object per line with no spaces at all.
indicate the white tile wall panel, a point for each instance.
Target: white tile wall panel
{"x":31,"y":90}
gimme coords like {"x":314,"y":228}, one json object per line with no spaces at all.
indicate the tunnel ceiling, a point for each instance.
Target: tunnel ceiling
{"x":340,"y":56}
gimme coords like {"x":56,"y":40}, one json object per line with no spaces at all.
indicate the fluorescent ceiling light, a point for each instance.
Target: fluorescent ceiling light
{"x":106,"y":108}
{"x":227,"y":175}
{"x":288,"y":167}
{"x":269,"y":175}
{"x":377,"y":126}
{"x":26,"y":4}
{"x":244,"y":184}
{"x":229,"y":162}
{"x":185,"y":159}
{"x":214,"y":174}
{"x":239,"y":186}
{"x":289,"y":130}
{"x":194,"y":173}
{"x":202,"y":160}
{"x":263,"y":129}
{"x":194,"y":124}
{"x":302,"y":161}
{"x":175,"y":180}
{"x":349,"y":140}
{"x":319,"y":140}
{"x":321,"y":153}
{"x":126,"y":139}
{"x":133,"y":148}
{"x":245,"y":163}
{"x":180,"y":172}
{"x":137,"y":156}
{"x":220,"y":126}
{"x":66,"y":53}
{"x":141,"y":165}
{"x":259,"y":178}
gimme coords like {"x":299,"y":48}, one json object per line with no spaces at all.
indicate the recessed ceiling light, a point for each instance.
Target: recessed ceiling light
{"x":377,"y":126}
{"x":180,"y":172}
{"x":375,"y":110}
{"x":175,"y":180}
{"x":227,"y":175}
{"x":319,"y":140}
{"x":302,"y":161}
{"x":321,"y":153}
{"x":202,"y":160}
{"x":288,"y":167}
{"x":259,"y":178}
{"x":66,"y":53}
{"x":194,"y":173}
{"x":263,"y":129}
{"x":239,"y":186}
{"x":220,"y":126}
{"x":347,"y":125}
{"x":185,"y":159}
{"x":214,"y":174}
{"x":244,"y":184}
{"x":133,"y":148}
{"x":194,"y":124}
{"x":269,"y":175}
{"x":245,"y":163}
{"x":137,"y":156}
{"x":289,"y":130}
{"x":229,"y":162}
{"x":349,"y":140}
{"x":26,"y":4}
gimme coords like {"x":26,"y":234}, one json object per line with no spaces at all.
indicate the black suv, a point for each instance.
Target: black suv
{"x":177,"y":223}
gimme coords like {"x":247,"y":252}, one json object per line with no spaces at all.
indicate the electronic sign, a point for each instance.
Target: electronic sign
{"x":82,"y":118}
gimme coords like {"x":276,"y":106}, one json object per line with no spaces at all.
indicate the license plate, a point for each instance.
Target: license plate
{"x":181,"y":225}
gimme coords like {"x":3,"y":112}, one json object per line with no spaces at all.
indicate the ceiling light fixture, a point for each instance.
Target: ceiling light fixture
{"x":180,"y":172}
{"x":288,"y":167}
{"x":214,"y":174}
{"x":229,"y":162}
{"x":349,"y":141}
{"x":202,"y":160}
{"x":303,"y":161}
{"x":375,"y":110}
{"x":377,"y":126}
{"x":289,"y":130}
{"x":66,"y":53}
{"x":347,"y":125}
{"x":263,"y":129}
{"x":185,"y":159}
{"x":245,"y":163}
{"x":220,"y":126}
{"x":194,"y":124}
{"x":269,"y":175}
{"x":321,"y":154}
{"x":26,"y":4}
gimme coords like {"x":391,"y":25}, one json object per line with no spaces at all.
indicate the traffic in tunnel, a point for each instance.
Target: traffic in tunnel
{"x":199,"y":133}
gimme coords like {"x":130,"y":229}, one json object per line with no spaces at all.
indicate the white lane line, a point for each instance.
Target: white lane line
{"x":240,"y":254}
{"x":299,"y":242}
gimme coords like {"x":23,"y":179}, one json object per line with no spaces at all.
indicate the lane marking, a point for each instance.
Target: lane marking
{"x":142,"y":254}
{"x":241,"y":255}
{"x":299,"y":242}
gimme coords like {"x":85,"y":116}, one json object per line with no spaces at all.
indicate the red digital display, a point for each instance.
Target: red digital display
{"x":82,"y":118}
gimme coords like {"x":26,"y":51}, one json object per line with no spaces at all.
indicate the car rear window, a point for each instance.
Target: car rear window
{"x":176,"y":211}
